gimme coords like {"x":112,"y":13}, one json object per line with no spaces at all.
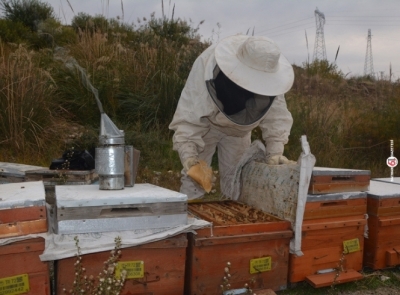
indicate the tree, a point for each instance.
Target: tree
{"x":28,"y":12}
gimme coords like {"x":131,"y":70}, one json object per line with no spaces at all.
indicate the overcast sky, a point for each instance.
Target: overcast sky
{"x":288,"y":22}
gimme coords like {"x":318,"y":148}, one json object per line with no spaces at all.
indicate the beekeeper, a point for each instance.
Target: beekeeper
{"x":233,"y":87}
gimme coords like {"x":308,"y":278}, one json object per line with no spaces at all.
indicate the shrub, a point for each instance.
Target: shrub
{"x":28,"y":12}
{"x":13,"y":32}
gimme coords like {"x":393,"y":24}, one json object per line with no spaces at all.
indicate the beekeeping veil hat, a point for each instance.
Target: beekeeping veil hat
{"x":255,"y":63}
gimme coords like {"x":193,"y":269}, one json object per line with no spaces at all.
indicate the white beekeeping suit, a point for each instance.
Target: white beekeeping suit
{"x":233,"y":87}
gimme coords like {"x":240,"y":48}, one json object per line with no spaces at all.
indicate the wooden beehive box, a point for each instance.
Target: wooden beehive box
{"x":332,"y":224}
{"x":22,"y":209}
{"x":51,"y":178}
{"x":160,"y":267}
{"x":382,"y":247}
{"x":254,"y":243}
{"x":336,"y":180}
{"x":13,"y":172}
{"x":86,"y":208}
{"x":22,"y":272}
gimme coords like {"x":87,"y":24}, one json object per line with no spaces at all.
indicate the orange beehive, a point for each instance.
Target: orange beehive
{"x":22,"y":272}
{"x":22,"y":209}
{"x":254,"y":243}
{"x":382,"y":247}
{"x":161,"y":267}
{"x":332,"y":224}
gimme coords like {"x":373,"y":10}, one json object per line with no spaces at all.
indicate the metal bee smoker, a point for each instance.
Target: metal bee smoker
{"x":110,"y":155}
{"x":114,"y":161}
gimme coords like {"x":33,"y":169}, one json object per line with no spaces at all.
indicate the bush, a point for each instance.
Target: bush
{"x":13,"y":32}
{"x":28,"y":12}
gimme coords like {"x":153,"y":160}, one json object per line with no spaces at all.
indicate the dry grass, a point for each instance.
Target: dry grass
{"x":28,"y":122}
{"x":348,"y":123}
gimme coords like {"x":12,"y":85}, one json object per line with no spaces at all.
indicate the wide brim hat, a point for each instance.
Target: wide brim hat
{"x":255,"y":63}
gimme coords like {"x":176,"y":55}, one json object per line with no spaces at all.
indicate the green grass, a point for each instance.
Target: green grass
{"x":372,"y":280}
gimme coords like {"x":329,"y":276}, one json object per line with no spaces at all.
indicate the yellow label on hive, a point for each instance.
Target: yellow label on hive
{"x":260,"y":264}
{"x":14,"y":285}
{"x":134,"y":269}
{"x":351,"y":246}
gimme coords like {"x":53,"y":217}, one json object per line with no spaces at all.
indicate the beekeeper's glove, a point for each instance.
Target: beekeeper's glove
{"x":202,"y":174}
{"x":189,"y":162}
{"x":278,"y":160}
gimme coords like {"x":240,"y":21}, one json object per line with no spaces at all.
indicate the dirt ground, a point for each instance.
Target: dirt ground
{"x":379,"y":291}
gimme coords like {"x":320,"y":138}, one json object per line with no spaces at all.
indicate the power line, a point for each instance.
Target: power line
{"x":294,"y":22}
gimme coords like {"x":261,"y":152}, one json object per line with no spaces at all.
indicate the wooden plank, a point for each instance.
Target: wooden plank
{"x":389,"y":220}
{"x":246,"y":238}
{"x":239,"y":229}
{"x":383,"y":207}
{"x":164,"y":268}
{"x":22,"y":214}
{"x":327,"y":223}
{"x":11,"y":179}
{"x":22,"y":257}
{"x":322,"y":258}
{"x":329,"y":237}
{"x":337,"y":208}
{"x":28,"y":245}
{"x":324,"y":188}
{"x":23,"y":228}
{"x":265,"y":292}
{"x":17,"y":170}
{"x":329,"y":279}
{"x":337,"y":182}
{"x":393,"y":257}
{"x":61,"y":176}
{"x":129,"y":210}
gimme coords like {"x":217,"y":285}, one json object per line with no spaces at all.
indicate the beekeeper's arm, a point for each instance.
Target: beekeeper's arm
{"x":275,"y":129}
{"x":190,"y":121}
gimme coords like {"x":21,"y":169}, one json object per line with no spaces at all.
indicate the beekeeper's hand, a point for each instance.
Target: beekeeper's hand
{"x":189,"y":162}
{"x":278,"y":160}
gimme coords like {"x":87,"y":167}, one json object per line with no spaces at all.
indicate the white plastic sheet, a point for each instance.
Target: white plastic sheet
{"x":63,"y":246}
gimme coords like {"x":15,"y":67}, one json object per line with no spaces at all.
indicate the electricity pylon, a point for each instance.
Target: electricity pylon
{"x":369,"y":63}
{"x":319,"y":46}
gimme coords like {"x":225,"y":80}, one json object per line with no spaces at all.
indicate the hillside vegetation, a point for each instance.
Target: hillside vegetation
{"x":139,"y":70}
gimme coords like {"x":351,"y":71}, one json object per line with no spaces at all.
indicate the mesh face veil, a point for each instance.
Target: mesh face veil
{"x":232,"y":96}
